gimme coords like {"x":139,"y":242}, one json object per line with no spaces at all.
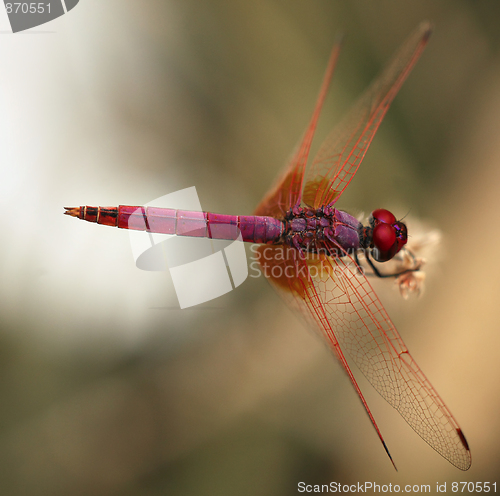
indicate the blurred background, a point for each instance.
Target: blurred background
{"x":106,"y":386}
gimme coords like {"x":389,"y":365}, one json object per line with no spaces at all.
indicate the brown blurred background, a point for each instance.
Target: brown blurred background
{"x":106,"y":387}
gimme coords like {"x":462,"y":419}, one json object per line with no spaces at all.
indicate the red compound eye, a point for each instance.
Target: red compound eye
{"x":384,"y":237}
{"x":383,"y":215}
{"x":388,"y":235}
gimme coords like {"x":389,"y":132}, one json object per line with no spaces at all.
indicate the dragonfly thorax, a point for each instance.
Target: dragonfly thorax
{"x":323,"y":230}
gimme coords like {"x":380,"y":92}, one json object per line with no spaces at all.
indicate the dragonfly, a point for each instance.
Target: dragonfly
{"x":310,"y":253}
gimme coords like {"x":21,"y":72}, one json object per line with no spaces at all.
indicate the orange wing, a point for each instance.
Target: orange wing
{"x":340,"y":155}
{"x":339,"y":302}
{"x":286,"y":193}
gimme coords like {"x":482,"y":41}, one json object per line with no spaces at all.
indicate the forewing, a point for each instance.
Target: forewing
{"x":338,"y":301}
{"x":342,"y":152}
{"x":286,"y":192}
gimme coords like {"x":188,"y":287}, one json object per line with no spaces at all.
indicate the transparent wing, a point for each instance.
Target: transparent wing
{"x":291,"y":277}
{"x":286,"y":192}
{"x":343,"y":151}
{"x":338,"y":301}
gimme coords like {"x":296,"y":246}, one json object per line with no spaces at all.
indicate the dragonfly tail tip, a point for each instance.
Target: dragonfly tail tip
{"x":73,"y":211}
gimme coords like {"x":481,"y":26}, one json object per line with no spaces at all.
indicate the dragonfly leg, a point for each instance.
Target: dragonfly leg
{"x":360,"y":268}
{"x":416,"y":266}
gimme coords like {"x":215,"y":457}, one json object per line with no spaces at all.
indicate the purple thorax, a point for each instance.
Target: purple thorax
{"x":325,"y":229}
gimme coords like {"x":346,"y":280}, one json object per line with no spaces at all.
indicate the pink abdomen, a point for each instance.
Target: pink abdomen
{"x":255,"y":229}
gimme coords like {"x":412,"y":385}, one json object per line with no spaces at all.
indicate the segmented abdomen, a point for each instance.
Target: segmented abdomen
{"x":255,"y":229}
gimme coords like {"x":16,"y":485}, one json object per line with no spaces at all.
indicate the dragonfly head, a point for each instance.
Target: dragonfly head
{"x":388,"y":235}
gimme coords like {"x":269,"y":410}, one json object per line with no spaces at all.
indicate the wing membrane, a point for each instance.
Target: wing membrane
{"x":338,"y":301}
{"x":286,"y":193}
{"x":343,"y":151}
